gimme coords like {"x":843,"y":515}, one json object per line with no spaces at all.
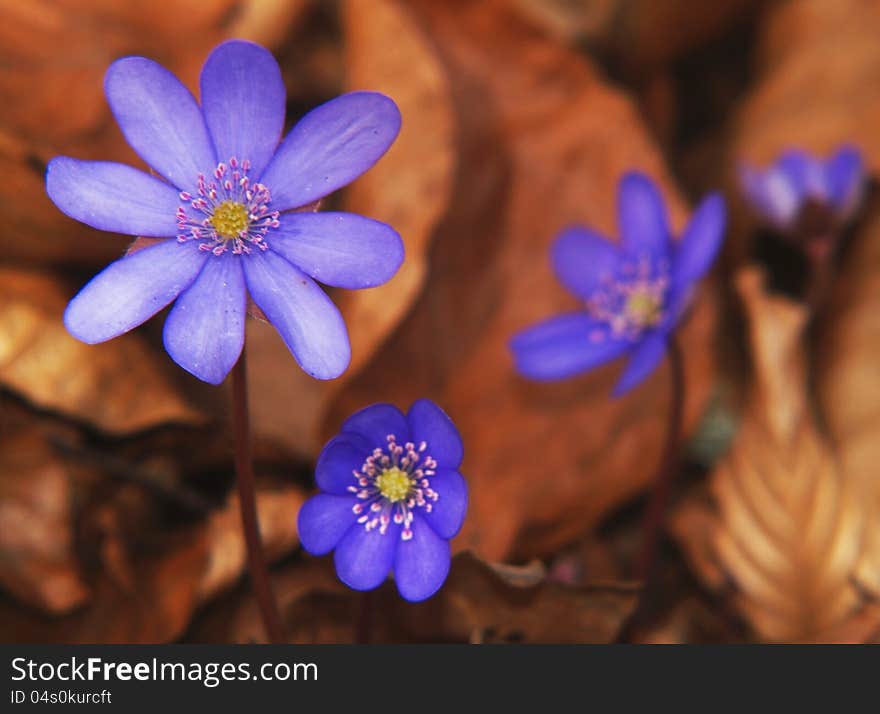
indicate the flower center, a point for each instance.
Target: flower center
{"x":633,"y":300}
{"x":644,"y":308}
{"x":227,"y":211}
{"x":230,"y":219}
{"x":391,"y":484}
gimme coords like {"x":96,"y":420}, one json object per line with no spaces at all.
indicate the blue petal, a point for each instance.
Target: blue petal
{"x":773,"y":194}
{"x":340,"y":459}
{"x":308,"y":321}
{"x":701,"y":240}
{"x":376,"y":422}
{"x":643,"y":361}
{"x":132,"y":290}
{"x":364,"y":558}
{"x":641,"y":215}
{"x":204,"y":333}
{"x":113,"y":197}
{"x":805,"y":174}
{"x":160,"y":120}
{"x":421,"y":564}
{"x":845,"y":174}
{"x":564,"y":346}
{"x":339,"y":249}
{"x":243,"y":100}
{"x":582,"y":259}
{"x":323,"y":520}
{"x":331,"y":146}
{"x":429,"y":423}
{"x":448,"y":511}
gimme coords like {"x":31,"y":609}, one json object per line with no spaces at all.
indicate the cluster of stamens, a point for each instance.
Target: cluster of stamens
{"x":631,"y":301}
{"x":226,"y":211}
{"x":391,"y":484}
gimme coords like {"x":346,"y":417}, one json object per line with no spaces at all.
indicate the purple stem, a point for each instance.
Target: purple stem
{"x":244,"y":477}
{"x":656,"y":509}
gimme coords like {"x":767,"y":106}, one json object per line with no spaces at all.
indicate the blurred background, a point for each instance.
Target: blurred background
{"x":117,"y":518}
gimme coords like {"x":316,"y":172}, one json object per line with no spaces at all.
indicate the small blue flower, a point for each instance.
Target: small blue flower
{"x":634,"y":293}
{"x":223,"y":198}
{"x":780,"y":193}
{"x":391,"y":498}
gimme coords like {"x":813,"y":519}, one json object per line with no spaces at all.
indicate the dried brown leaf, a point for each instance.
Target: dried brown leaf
{"x":116,"y":387}
{"x":542,"y":139}
{"x":37,"y":559}
{"x":790,"y":527}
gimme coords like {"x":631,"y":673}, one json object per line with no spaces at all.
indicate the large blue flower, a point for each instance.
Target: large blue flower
{"x":391,"y":499}
{"x":223,"y":197}
{"x":634,"y":293}
{"x":780,"y":193}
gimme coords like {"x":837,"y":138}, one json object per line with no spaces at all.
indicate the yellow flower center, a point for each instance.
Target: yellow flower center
{"x":394,"y":484}
{"x":644,"y":308}
{"x":230,"y":219}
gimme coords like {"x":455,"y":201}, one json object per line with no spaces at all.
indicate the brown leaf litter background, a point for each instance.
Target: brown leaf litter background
{"x":116,"y":518}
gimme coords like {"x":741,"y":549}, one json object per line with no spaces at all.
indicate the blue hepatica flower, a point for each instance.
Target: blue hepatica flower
{"x":634,"y":293}
{"x":223,"y":197}
{"x":391,"y":498}
{"x":781,"y":193}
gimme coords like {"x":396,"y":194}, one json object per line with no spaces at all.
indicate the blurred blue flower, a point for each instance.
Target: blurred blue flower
{"x":223,"y":197}
{"x":781,"y":193}
{"x":634,"y":293}
{"x":391,"y":498}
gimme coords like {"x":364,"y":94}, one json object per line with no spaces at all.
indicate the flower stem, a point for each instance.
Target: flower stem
{"x":656,"y":509}
{"x":244,"y":477}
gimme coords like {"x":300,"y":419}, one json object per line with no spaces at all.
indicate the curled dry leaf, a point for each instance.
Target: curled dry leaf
{"x":116,"y":387}
{"x":409,"y":189}
{"x":480,"y":602}
{"x":545,"y":139}
{"x":789,"y":527}
{"x":37,"y":560}
{"x":848,"y":371}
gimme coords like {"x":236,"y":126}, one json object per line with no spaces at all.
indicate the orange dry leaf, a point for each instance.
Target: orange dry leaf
{"x":117,"y":387}
{"x":790,"y":528}
{"x":542,"y":139}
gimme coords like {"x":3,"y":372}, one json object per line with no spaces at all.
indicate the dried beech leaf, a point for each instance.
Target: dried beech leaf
{"x":116,"y":386}
{"x":37,"y":560}
{"x":790,"y":526}
{"x":847,"y":371}
{"x":546,"y":139}
{"x":409,"y":188}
